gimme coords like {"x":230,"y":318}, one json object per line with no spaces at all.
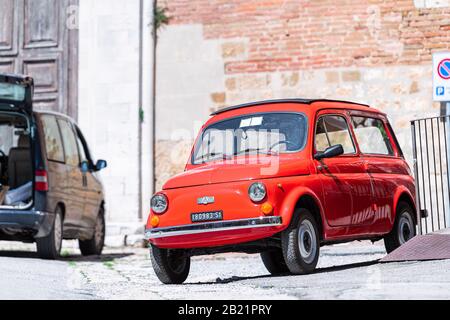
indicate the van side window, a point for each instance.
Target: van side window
{"x":372,"y":136}
{"x":70,"y":144}
{"x":53,"y":142}
{"x":83,"y":154}
{"x":331,"y":131}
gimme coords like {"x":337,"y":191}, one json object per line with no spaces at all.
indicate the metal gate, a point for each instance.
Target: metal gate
{"x":432,"y":172}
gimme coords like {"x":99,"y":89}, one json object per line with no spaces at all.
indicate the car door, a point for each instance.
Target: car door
{"x":378,"y":153}
{"x":56,"y":166}
{"x":345,"y":183}
{"x":76,"y":196}
{"x":92,"y":185}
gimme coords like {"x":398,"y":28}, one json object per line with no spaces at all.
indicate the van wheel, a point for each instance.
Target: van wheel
{"x":274,"y":262}
{"x":49,"y":247}
{"x":404,"y":228}
{"x":94,"y":246}
{"x":300,"y":243}
{"x":170,"y":266}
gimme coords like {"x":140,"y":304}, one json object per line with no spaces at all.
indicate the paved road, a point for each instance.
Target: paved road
{"x":346,"y":271}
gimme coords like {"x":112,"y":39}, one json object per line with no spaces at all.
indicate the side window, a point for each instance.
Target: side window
{"x":331,"y":131}
{"x":372,"y":136}
{"x":82,"y":150}
{"x":70,"y":144}
{"x":53,"y":142}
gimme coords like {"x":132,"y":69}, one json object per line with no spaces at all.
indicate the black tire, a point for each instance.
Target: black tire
{"x":94,"y":246}
{"x":49,"y":248}
{"x":301,"y":257}
{"x":404,"y":228}
{"x":170,"y":266}
{"x":274,"y":262}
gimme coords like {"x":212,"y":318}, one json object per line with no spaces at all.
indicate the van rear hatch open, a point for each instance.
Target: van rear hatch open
{"x":16,"y":93}
{"x":16,"y":158}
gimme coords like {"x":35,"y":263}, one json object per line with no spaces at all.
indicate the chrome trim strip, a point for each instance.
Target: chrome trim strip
{"x":212,"y":227}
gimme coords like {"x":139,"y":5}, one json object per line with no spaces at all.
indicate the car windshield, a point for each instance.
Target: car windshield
{"x":13,"y":92}
{"x":268,"y":133}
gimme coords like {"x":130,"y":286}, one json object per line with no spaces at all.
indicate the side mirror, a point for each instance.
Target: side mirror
{"x":331,"y":152}
{"x":100,"y":165}
{"x":84,"y":166}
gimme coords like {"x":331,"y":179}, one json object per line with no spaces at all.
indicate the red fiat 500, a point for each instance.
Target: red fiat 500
{"x":283,"y":178}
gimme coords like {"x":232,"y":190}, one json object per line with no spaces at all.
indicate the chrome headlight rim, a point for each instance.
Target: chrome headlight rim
{"x":262,"y":195}
{"x":159,"y":204}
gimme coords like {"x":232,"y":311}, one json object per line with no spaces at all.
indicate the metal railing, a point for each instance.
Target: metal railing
{"x":430,"y":137}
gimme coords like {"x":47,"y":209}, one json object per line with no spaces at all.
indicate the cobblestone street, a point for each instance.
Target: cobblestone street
{"x":346,"y":271}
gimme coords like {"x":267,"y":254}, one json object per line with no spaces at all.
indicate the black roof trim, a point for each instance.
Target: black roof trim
{"x":302,"y":101}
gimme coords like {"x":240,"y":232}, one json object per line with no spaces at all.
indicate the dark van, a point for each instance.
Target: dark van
{"x":49,"y":184}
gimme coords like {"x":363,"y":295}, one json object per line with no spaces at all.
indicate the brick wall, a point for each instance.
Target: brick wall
{"x":373,"y":51}
{"x":289,"y":35}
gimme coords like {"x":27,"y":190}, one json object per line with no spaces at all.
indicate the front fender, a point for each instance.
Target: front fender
{"x":291,"y":200}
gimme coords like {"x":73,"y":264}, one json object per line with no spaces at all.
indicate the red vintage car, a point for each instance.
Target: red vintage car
{"x":283,"y":178}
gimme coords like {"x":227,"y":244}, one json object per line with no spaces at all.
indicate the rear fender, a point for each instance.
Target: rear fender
{"x":402,"y":191}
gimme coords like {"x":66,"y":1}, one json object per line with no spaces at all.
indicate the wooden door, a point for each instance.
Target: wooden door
{"x":35,"y":40}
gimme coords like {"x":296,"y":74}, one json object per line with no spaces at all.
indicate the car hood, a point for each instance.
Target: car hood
{"x":233,"y":171}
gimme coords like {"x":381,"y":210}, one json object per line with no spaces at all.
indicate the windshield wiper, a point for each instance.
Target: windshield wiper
{"x":258,"y":151}
{"x":213,"y":155}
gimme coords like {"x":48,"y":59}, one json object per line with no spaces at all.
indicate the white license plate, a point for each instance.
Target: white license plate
{"x":207,"y":216}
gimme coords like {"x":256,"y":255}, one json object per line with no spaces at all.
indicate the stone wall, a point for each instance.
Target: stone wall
{"x":377,"y":52}
{"x":109,"y":100}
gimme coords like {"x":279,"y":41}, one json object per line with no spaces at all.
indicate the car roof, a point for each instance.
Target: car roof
{"x":54,"y":113}
{"x":313,"y":103}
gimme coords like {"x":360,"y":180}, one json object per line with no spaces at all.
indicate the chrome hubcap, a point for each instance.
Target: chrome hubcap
{"x":405,"y":229}
{"x":307,"y":241}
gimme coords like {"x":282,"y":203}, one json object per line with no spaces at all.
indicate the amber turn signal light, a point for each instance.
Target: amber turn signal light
{"x":155,"y":221}
{"x":267,"y":209}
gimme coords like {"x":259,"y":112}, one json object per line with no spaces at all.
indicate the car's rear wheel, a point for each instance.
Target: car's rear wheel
{"x":94,"y":246}
{"x":404,"y":228}
{"x":301,"y":243}
{"x":274,"y":261}
{"x":171,"y":266}
{"x":49,"y":247}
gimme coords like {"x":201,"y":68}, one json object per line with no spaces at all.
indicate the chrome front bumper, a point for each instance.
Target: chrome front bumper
{"x":197,"y":228}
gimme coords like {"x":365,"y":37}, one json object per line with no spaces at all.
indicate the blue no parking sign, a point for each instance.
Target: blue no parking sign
{"x":444,"y":69}
{"x":441,"y":76}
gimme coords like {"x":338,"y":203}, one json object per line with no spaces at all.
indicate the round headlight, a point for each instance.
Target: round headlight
{"x":159,"y":204}
{"x":257,"y":192}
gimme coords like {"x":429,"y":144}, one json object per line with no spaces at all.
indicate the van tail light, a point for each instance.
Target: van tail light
{"x":41,"y":182}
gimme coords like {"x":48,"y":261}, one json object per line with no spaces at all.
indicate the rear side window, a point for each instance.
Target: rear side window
{"x":70,"y":143}
{"x":331,"y":131}
{"x":372,"y":136}
{"x":53,"y":141}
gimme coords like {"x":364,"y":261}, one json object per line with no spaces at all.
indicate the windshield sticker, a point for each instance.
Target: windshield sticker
{"x":251,"y":122}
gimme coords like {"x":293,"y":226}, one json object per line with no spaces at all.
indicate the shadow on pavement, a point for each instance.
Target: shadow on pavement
{"x":66,"y":258}
{"x":318,"y":271}
{"x":103,"y":258}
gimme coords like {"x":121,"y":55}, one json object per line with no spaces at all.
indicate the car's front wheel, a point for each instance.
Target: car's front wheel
{"x":274,"y":261}
{"x":301,"y":243}
{"x":94,"y":246}
{"x":404,"y":228}
{"x":49,"y":247}
{"x":171,"y":266}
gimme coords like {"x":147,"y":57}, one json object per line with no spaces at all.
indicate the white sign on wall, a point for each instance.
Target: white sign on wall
{"x":427,"y":4}
{"x":441,"y":76}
